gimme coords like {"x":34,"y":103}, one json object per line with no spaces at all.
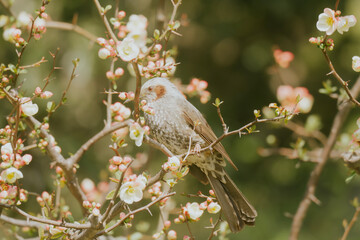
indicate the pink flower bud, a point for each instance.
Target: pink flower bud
{"x":171,"y":235}
{"x":104,"y":53}
{"x":117,"y":160}
{"x":177,"y":220}
{"x":167,"y":224}
{"x":110,"y":75}
{"x":121,"y":14}
{"x":157,"y":47}
{"x":127,"y":160}
{"x":131,"y":95}
{"x":37,"y":90}
{"x":119,"y":72}
{"x":46,"y":95}
{"x":113,"y":168}
{"x":122,"y":168}
{"x":123,"y":95}
{"x":101,"y":41}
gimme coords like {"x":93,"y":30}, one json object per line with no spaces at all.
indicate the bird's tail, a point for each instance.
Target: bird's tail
{"x":236,"y":208}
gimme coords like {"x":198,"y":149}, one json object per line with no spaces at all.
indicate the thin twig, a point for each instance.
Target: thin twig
{"x":300,"y":130}
{"x":340,"y":80}
{"x":214,"y":227}
{"x":106,"y":22}
{"x":112,"y":201}
{"x":71,"y":27}
{"x":349,"y":226}
{"x":105,"y":131}
{"x":133,"y":213}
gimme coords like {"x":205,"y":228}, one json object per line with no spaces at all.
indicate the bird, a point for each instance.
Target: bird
{"x":176,"y":124}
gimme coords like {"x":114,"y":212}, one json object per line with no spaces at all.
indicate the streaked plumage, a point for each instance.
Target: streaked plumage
{"x":174,"y":124}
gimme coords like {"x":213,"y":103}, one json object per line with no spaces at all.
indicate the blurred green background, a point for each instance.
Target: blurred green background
{"x":228,"y":43}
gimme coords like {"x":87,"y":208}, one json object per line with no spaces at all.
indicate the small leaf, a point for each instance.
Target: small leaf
{"x":350,"y":178}
{"x":156,"y":34}
{"x":110,"y":195}
{"x":355,"y":202}
{"x":176,"y":25}
{"x":50,"y":106}
{"x":107,"y":8}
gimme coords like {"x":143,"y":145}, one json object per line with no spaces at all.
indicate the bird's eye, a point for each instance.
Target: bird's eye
{"x":150,"y":88}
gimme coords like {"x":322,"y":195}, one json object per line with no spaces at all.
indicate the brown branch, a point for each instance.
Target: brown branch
{"x":300,"y":130}
{"x":290,"y":153}
{"x":343,"y":83}
{"x":137,"y":90}
{"x":105,"y":131}
{"x":41,"y":220}
{"x":133,"y":213}
{"x":106,"y":22}
{"x":238,"y":131}
{"x":71,"y":27}
{"x":315,"y":174}
{"x":112,"y":201}
{"x":71,"y":179}
{"x":349,"y":226}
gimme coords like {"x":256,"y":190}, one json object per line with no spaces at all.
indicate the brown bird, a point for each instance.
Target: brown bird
{"x":174,"y":124}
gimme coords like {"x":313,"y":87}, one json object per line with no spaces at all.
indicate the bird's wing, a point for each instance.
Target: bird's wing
{"x":196,"y":120}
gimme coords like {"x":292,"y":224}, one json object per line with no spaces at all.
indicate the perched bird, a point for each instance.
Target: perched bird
{"x":176,"y":123}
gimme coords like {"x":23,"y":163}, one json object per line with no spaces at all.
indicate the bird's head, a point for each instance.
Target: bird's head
{"x":158,"y":88}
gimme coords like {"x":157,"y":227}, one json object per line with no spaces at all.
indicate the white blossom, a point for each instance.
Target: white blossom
{"x":194,"y":210}
{"x":356,"y":63}
{"x":173,"y":163}
{"x":128,"y":50}
{"x":137,"y":22}
{"x":213,"y":207}
{"x":28,"y":107}
{"x":344,"y":23}
{"x":139,"y":37}
{"x":11,"y":174}
{"x":327,"y":21}
{"x":137,"y":133}
{"x":131,"y":192}
{"x":23,"y":19}
{"x":6,"y":149}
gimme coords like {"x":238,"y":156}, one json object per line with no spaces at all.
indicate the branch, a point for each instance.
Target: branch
{"x":106,"y":22}
{"x":300,"y":130}
{"x":349,"y":226}
{"x":105,"y":131}
{"x":41,"y":220}
{"x":137,"y":90}
{"x":133,"y":213}
{"x":315,"y":174}
{"x":71,"y":27}
{"x":340,"y":80}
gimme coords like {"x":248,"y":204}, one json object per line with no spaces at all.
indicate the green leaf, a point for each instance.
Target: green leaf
{"x":351,"y":177}
{"x":107,"y":8}
{"x":176,"y":25}
{"x":50,"y":106}
{"x":156,"y":34}
{"x":110,"y":195}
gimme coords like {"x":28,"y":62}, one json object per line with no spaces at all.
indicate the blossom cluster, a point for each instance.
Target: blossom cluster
{"x":193,"y":211}
{"x":119,"y":111}
{"x":159,"y":68}
{"x":119,"y":72}
{"x":145,"y":108}
{"x":12,"y":26}
{"x":298,"y":99}
{"x":43,"y":94}
{"x":329,"y":21}
{"x":127,"y":95}
{"x":132,"y":188}
{"x":197,"y":87}
{"x":93,"y":207}
{"x":12,"y":161}
{"x":118,"y":163}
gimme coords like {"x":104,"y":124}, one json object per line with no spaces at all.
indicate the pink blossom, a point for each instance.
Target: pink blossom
{"x":283,"y":58}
